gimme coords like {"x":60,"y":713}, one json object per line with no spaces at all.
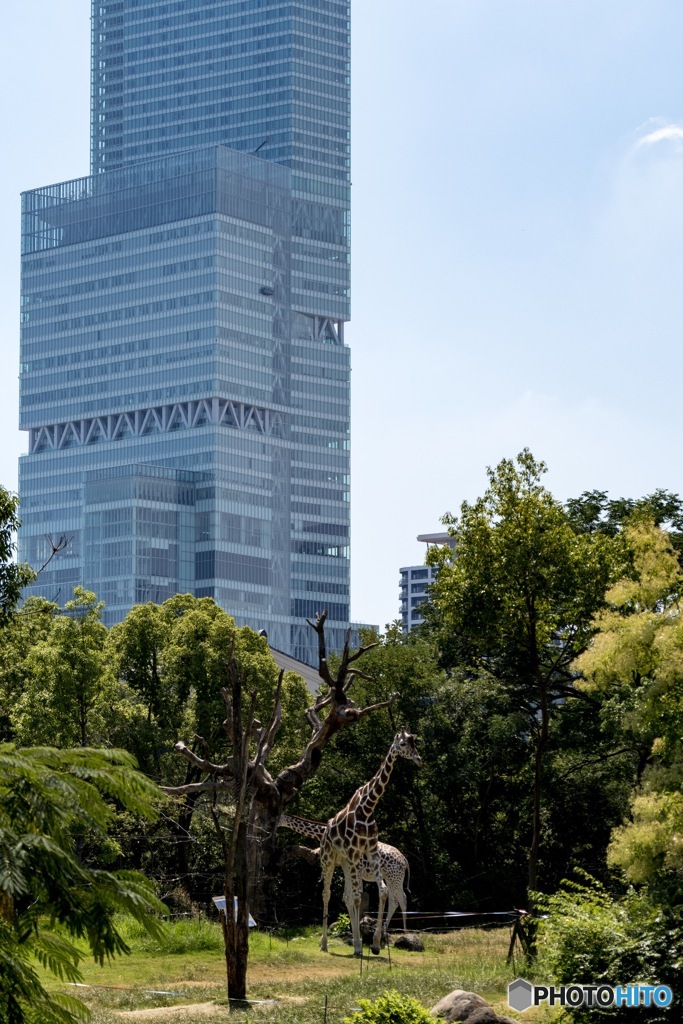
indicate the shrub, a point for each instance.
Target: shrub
{"x":391,"y":1008}
{"x":589,"y":937}
{"x":342,"y":926}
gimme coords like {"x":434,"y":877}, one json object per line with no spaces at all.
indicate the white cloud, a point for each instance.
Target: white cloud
{"x":642,"y":224}
{"x":668,"y":133}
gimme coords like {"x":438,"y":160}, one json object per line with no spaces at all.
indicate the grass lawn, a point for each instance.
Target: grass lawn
{"x":292,"y":977}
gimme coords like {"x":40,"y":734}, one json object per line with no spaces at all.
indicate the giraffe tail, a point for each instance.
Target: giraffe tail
{"x":407,"y":882}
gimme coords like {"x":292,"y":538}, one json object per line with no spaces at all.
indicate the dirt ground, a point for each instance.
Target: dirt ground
{"x":175,"y":1013}
{"x":171,"y":1013}
{"x":261,"y":974}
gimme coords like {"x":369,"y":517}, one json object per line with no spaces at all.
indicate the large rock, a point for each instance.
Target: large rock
{"x":409,"y":941}
{"x":467,"y":1008}
{"x":488,"y":1016}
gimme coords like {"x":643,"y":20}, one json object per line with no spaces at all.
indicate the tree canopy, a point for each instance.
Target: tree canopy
{"x":515,"y":601}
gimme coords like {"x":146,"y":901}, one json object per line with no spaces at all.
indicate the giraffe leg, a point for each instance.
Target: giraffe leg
{"x":348,"y":895}
{"x":382,"y":891}
{"x":391,"y":908}
{"x":403,"y":902}
{"x":355,"y":887}
{"x":328,"y":871}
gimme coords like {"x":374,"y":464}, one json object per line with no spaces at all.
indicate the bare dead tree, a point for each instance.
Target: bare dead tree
{"x":333,"y":710}
{"x":238,"y":780}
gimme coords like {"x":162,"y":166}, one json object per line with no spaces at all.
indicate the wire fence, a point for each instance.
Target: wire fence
{"x":420,"y":921}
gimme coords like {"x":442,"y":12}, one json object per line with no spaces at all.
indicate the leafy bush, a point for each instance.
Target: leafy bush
{"x":342,"y":926}
{"x":589,"y":937}
{"x":391,"y":1008}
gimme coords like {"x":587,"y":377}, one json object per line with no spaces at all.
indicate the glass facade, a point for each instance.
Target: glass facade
{"x":184,"y":378}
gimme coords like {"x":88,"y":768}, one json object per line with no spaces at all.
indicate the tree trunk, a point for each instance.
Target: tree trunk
{"x":536,"y":820}
{"x":264,"y":863}
{"x":182,"y":832}
{"x":237,"y":946}
{"x":539,"y":749}
{"x":541,"y":742}
{"x":83,"y":722}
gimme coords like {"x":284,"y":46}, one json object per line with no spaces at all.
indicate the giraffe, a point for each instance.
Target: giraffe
{"x":352,"y":834}
{"x":393,"y":865}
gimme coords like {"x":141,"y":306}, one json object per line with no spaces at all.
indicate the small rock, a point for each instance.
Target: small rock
{"x":409,"y":941}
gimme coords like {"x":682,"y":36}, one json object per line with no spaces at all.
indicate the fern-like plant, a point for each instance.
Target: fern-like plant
{"x":45,"y":796}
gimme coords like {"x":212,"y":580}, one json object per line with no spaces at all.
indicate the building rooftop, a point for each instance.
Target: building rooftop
{"x":308,"y":674}
{"x":436,"y":538}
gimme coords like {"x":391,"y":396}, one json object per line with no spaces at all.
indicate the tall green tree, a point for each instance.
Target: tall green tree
{"x":463,"y":822}
{"x":47,"y":798}
{"x":172,"y":658}
{"x":635,"y":664}
{"x":138,"y":645}
{"x":515,"y":602}
{"x":28,"y":627}
{"x":69,"y":688}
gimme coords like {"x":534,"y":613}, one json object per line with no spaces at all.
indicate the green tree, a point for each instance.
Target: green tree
{"x":405,"y":665}
{"x":636,"y":658}
{"x":515,"y":602}
{"x":28,"y":627}
{"x":649,"y":848}
{"x":70,"y":687}
{"x":138,"y":646}
{"x":13,"y":577}
{"x":634,"y":667}
{"x":595,"y":512}
{"x":463,"y":821}
{"x":47,"y":798}
{"x":172,"y":658}
{"x":635,"y":664}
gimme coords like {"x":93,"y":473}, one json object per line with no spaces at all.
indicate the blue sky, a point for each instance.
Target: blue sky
{"x":517,"y":246}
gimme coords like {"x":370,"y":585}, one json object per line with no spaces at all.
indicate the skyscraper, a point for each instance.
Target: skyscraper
{"x":184,"y":377}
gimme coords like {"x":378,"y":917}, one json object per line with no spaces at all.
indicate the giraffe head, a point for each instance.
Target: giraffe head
{"x":404,"y":746}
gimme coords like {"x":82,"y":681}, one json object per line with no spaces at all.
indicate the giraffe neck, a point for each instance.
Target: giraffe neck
{"x":313,"y":829}
{"x":371,"y":793}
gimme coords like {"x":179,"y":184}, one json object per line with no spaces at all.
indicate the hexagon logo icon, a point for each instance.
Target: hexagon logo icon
{"x":520,"y":995}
